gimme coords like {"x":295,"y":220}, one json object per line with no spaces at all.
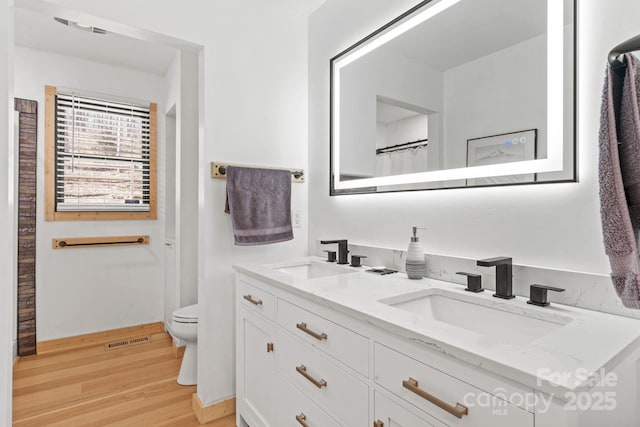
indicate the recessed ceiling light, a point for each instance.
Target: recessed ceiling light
{"x":79,"y":26}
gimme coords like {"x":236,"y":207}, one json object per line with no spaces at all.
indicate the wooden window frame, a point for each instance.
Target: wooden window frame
{"x":50,"y":171}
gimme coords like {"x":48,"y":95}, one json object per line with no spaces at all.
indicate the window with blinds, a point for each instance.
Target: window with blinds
{"x":102,"y":155}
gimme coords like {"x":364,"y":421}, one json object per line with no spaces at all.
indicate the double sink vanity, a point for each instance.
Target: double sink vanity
{"x":321,"y":344}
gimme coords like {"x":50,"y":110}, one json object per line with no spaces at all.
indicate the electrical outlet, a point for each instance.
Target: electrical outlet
{"x":297,"y":218}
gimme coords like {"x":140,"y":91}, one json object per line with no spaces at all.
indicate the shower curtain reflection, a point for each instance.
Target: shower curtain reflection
{"x":402,"y":161}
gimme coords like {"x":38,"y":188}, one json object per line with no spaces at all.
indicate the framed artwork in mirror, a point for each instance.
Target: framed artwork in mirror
{"x":502,"y":148}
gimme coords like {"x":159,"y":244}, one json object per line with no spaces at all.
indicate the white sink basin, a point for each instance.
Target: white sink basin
{"x":313,"y":269}
{"x":492,"y":319}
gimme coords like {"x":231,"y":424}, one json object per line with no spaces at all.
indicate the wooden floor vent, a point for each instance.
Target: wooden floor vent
{"x":126,"y":343}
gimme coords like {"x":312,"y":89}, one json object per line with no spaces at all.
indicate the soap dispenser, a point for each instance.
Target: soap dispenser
{"x":415,"y":264}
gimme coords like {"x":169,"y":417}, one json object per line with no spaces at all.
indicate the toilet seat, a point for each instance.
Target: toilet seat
{"x":188,"y":314}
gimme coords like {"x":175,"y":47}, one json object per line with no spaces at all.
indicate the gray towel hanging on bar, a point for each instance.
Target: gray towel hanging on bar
{"x":619,"y":178}
{"x":259,"y":201}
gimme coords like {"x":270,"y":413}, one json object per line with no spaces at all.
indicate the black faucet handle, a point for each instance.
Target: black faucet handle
{"x":538,"y":294}
{"x":474,"y":282}
{"x":355,"y":260}
{"x":491,"y":262}
{"x":331,"y":256}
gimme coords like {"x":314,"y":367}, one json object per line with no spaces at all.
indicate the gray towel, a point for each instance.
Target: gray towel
{"x":619,"y":177}
{"x":259,"y":201}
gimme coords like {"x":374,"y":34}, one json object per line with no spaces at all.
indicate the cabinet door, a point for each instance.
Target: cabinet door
{"x":390,"y":414}
{"x":257,"y":366}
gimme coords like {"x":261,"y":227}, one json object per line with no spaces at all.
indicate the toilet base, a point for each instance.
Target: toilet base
{"x":189,"y":368}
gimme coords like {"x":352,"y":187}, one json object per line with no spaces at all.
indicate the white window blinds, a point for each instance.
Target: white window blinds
{"x":102,"y":155}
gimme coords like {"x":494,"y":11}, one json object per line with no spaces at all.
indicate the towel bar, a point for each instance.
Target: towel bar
{"x":218,"y":170}
{"x":78,"y":242}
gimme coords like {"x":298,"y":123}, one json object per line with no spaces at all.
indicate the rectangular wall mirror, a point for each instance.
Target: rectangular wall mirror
{"x":457,"y":94}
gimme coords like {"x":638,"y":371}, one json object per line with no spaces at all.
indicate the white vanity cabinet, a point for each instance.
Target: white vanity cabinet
{"x":301,"y":362}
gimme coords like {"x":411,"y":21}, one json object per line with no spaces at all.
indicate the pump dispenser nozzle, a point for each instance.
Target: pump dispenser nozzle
{"x":415,"y":237}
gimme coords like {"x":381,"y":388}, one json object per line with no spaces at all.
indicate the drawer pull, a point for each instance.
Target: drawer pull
{"x":302,"y":370}
{"x":378,"y":424}
{"x":302,"y":419}
{"x":457,"y":411}
{"x":253,"y":301}
{"x":269,"y":347}
{"x":303,"y":327}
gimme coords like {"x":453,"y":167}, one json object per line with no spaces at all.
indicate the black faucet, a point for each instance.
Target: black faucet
{"x":504,"y":275}
{"x":342,"y":249}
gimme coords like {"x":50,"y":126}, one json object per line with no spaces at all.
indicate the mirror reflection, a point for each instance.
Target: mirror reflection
{"x":466,"y":87}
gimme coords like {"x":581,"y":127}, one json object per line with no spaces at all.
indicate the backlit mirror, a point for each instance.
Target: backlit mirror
{"x":457,"y":93}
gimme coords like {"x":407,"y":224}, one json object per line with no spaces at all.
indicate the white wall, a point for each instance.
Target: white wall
{"x":93,"y":289}
{"x":187,"y":186}
{"x":255,"y":81}
{"x":500,"y":93}
{"x":358,"y":104}
{"x":402,"y":131}
{"x":181,"y":278}
{"x":8,"y":255}
{"x":555,"y":225}
{"x":254,"y":111}
{"x":171,"y":250}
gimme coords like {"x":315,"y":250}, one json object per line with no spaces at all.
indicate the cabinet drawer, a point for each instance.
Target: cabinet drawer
{"x":294,"y":408}
{"x":388,"y":413}
{"x":423,"y":386}
{"x":343,"y":344}
{"x":256,"y":299}
{"x":332,"y":388}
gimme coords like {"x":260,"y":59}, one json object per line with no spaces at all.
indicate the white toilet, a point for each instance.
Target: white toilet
{"x":184,"y":325}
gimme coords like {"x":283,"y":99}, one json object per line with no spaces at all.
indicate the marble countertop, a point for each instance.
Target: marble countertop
{"x":572,"y":357}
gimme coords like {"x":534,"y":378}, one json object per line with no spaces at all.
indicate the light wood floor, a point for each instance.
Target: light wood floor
{"x":131,"y":386}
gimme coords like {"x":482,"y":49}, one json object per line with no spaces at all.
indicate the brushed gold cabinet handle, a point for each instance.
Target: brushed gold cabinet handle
{"x":302,"y":418}
{"x":378,"y":424}
{"x":302,"y":370}
{"x":457,"y":411}
{"x":253,"y":301}
{"x":303,"y":327}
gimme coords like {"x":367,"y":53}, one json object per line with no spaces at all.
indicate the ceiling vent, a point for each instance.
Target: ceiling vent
{"x":79,"y":26}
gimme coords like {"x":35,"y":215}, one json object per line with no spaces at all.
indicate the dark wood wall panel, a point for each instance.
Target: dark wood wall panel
{"x":27,"y":157}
